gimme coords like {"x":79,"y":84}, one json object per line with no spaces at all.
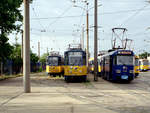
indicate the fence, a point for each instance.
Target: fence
{"x":9,"y":67}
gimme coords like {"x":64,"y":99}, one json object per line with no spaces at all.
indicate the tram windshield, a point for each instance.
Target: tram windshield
{"x":125,"y":60}
{"x":75,"y":58}
{"x":145,"y":62}
{"x":136,"y":62}
{"x":53,"y":61}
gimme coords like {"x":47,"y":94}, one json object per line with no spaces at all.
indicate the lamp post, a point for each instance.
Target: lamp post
{"x":26,"y":48}
{"x":87,"y":30}
{"x":95,"y":42}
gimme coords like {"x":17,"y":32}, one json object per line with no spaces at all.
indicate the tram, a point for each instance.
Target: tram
{"x":75,"y":64}
{"x":118,"y":65}
{"x":54,"y":65}
{"x":91,"y":65}
{"x":144,"y":64}
{"x":136,"y":66}
{"x":99,"y":65}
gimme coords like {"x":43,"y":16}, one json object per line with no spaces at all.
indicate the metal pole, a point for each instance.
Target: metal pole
{"x":87,"y":48}
{"x":95,"y":44}
{"x":39,"y":50}
{"x":26,"y":48}
{"x":82,"y":37}
{"x":22,"y":44}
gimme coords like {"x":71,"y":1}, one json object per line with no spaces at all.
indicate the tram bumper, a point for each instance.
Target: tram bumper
{"x":125,"y":77}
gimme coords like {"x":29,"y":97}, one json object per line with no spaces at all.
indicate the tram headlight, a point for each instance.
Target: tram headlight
{"x":71,"y":67}
{"x":118,"y":71}
{"x":70,"y":71}
{"x":80,"y":71}
{"x":131,"y":71}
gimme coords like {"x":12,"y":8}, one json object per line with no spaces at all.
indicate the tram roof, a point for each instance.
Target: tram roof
{"x":125,"y":52}
{"x":54,"y":56}
{"x":74,"y":50}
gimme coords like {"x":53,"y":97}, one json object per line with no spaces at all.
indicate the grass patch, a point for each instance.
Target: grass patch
{"x":55,"y":78}
{"x":4,"y":77}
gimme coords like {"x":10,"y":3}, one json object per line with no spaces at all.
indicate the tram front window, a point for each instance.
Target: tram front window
{"x":145,"y":62}
{"x":136,"y":62}
{"x":75,"y":58}
{"x":53,"y":61}
{"x":125,"y":60}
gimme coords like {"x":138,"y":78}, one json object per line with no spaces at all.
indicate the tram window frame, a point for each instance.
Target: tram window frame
{"x":48,"y":63}
{"x":124,"y":55}
{"x":83,"y":58}
{"x":137,"y":62}
{"x":66,"y":59}
{"x":107,"y":60}
{"x":140,"y":63}
{"x":115,"y":60}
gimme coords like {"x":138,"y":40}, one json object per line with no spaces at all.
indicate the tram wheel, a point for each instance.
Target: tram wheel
{"x":84,"y":78}
{"x":66,"y":79}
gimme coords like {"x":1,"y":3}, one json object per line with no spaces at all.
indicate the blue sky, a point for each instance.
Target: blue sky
{"x":62,"y":23}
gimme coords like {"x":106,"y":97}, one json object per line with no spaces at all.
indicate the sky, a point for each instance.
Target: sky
{"x":57,"y":23}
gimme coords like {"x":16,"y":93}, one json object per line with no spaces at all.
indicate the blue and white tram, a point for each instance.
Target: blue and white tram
{"x":118,"y":65}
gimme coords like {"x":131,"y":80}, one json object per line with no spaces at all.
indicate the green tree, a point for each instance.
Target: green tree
{"x":16,"y":58}
{"x":16,"y":54}
{"x":10,"y":20}
{"x":43,"y":58}
{"x":33,"y":57}
{"x":144,"y":55}
{"x":10,"y":15}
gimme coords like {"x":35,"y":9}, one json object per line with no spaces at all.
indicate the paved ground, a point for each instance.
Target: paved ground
{"x":55,"y":96}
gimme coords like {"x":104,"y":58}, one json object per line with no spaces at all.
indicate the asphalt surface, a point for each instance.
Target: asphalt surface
{"x":54,"y":95}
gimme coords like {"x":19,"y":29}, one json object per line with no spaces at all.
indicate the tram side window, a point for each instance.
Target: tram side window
{"x":139,"y":62}
{"x":136,"y":62}
{"x":115,"y":60}
{"x":47,"y":61}
{"x":66,"y":60}
{"x":84,"y":60}
{"x":59,"y":61}
{"x":107,"y":60}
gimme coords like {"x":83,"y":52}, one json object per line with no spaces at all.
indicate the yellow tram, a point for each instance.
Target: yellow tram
{"x":136,"y":66}
{"x":99,"y":65}
{"x":144,"y":64}
{"x":75,"y":64}
{"x":54,"y":65}
{"x":91,"y":65}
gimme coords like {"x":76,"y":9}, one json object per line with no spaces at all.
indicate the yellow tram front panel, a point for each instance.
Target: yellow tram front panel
{"x":144,"y":67}
{"x":54,"y":69}
{"x":92,"y":69}
{"x":99,"y":68}
{"x":75,"y":70}
{"x":136,"y":69}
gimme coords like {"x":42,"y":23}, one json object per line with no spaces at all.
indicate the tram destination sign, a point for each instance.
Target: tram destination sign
{"x":125,"y":52}
{"x":75,"y":53}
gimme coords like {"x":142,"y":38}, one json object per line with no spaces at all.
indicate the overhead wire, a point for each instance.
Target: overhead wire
{"x":57,"y":18}
{"x":105,"y":13}
{"x":37,"y":17}
{"x":132,"y":16}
